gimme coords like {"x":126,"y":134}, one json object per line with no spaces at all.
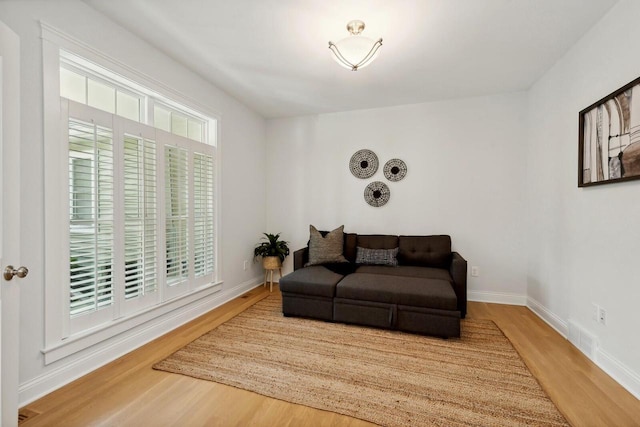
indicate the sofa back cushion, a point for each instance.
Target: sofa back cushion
{"x":377,"y":241}
{"x":427,"y":251}
{"x":350,"y":245}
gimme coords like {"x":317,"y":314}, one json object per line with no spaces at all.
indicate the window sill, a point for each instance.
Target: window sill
{"x":91,"y":337}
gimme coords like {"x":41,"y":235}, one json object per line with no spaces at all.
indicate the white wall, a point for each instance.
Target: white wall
{"x":584,"y":243}
{"x":242,"y":150}
{"x":497,"y":173}
{"x":465,"y":178}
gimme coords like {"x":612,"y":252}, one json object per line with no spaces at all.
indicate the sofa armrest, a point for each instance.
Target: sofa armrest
{"x":300,"y":258}
{"x":458,"y":272}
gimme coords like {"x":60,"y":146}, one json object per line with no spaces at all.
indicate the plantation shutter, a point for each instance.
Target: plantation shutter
{"x":203,"y":214}
{"x":91,"y":217}
{"x":130,"y":226}
{"x":176,"y":214}
{"x":140,"y":217}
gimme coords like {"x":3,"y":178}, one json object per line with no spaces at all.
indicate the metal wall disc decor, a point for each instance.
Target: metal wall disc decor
{"x":363,"y":164}
{"x":377,"y":194}
{"x":395,"y":170}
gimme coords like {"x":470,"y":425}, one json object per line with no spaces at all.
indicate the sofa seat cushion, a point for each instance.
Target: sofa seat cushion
{"x":411,"y":291}
{"x":316,"y":280}
{"x":407,"y":271}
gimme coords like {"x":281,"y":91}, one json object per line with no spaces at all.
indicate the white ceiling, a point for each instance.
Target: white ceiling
{"x":273,"y":54}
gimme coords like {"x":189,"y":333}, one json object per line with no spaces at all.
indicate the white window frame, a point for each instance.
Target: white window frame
{"x":152,"y":102}
{"x":61,"y":340}
{"x":148,"y":97}
{"x":105,"y":80}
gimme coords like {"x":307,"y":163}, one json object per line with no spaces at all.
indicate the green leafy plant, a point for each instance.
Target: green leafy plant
{"x":271,"y":246}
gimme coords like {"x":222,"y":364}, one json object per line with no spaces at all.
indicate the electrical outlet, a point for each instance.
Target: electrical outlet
{"x":245,"y":264}
{"x":602,"y":316}
{"x":595,"y":312}
{"x":475,"y":271}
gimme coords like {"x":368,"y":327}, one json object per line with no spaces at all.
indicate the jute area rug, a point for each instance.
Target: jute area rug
{"x":385,"y":377}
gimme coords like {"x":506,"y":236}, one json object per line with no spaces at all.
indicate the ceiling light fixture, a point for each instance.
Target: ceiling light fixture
{"x":355,"y":51}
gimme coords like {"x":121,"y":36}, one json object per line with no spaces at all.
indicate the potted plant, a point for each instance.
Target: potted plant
{"x":272,"y":250}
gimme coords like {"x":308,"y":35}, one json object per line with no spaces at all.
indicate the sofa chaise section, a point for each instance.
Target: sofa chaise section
{"x":414,"y":304}
{"x":310,"y":292}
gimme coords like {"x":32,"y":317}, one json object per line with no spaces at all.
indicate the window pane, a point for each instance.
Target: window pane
{"x":91,"y":217}
{"x":161,"y":118}
{"x":140,"y":217}
{"x":101,"y":96}
{"x":177,"y":214}
{"x":128,"y":106}
{"x":204,"y":220}
{"x":73,"y":86}
{"x":195,"y":130}
{"x":178,"y":124}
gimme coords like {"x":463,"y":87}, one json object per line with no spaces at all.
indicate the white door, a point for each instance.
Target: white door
{"x":9,"y":223}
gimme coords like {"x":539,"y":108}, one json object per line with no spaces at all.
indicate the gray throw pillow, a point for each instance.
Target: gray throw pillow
{"x":327,"y":249}
{"x":368,"y":256}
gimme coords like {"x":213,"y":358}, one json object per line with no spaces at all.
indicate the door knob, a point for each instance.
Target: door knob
{"x":9,"y":272}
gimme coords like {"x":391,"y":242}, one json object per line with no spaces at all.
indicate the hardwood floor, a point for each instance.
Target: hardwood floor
{"x":128,"y":392}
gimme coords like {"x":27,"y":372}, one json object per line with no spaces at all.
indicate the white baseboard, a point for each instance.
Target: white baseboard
{"x":497,"y":297}
{"x":548,"y":316}
{"x":619,"y":372}
{"x":58,"y":377}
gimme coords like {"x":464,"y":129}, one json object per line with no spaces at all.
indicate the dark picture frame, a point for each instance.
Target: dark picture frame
{"x":609,"y":138}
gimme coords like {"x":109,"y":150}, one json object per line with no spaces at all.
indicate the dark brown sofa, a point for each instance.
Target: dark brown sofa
{"x":425,"y":293}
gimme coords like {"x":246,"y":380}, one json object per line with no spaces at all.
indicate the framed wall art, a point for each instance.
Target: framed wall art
{"x":609,"y":138}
